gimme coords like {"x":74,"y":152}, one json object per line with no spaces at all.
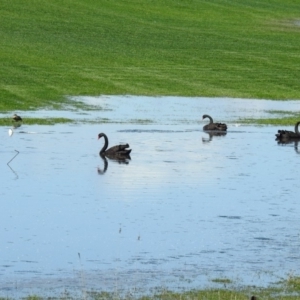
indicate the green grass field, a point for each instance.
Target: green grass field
{"x":239,"y":48}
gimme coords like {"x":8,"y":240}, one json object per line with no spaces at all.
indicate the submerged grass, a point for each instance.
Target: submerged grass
{"x":240,"y":48}
{"x":285,"y":290}
{"x":284,"y":121}
{"x":291,"y":119}
{"x":52,"y":121}
{"x":35,"y":121}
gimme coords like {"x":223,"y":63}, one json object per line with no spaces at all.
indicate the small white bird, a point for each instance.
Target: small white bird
{"x":10,"y":132}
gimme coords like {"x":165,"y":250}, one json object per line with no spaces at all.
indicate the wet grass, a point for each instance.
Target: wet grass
{"x":222,"y":280}
{"x":52,"y":121}
{"x":288,"y":289}
{"x":288,"y":119}
{"x":241,"y":48}
{"x":35,"y":121}
{"x":283,"y":121}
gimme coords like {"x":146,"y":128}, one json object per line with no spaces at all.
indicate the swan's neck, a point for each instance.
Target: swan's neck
{"x":296,"y":128}
{"x":210,"y":119}
{"x":105,"y":144}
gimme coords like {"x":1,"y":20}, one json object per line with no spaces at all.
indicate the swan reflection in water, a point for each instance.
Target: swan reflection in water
{"x":105,"y":165}
{"x":117,"y":160}
{"x":291,"y":141}
{"x":17,"y":125}
{"x":211,"y":134}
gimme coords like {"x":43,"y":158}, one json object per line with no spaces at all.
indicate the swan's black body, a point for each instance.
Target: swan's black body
{"x":115,"y":152}
{"x":284,"y":135}
{"x":213,"y":126}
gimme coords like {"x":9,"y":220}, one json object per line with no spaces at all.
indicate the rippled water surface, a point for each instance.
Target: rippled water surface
{"x":186,"y":209}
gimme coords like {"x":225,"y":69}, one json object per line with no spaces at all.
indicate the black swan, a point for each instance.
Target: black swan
{"x":17,"y":118}
{"x":119,"y":151}
{"x":288,"y":135}
{"x":213,"y":126}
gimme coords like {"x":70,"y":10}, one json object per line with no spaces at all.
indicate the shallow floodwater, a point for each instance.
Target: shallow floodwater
{"x":186,"y":209}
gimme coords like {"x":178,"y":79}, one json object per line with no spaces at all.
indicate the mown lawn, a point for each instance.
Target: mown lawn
{"x":239,"y":48}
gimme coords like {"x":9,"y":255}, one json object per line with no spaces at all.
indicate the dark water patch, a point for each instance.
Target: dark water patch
{"x":231,"y":217}
{"x":152,"y":131}
{"x":27,"y":272}
{"x":263,"y":239}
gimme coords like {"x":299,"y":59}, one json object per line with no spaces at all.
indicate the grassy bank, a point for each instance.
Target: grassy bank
{"x":238,"y":48}
{"x":286,"y":290}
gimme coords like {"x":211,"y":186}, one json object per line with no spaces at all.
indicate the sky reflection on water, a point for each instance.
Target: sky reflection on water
{"x":184,"y":210}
